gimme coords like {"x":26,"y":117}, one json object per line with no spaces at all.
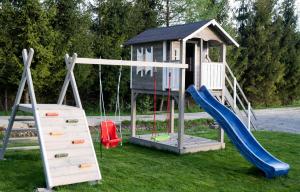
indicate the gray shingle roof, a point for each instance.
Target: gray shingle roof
{"x":166,"y":33}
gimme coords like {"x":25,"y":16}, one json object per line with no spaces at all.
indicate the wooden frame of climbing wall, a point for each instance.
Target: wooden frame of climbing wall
{"x":65,"y":142}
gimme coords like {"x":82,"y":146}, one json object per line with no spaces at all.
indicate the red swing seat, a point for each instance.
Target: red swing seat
{"x":109,"y":137}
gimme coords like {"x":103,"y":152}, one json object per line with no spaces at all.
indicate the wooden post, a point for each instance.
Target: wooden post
{"x":133,"y":114}
{"x":172,"y":115}
{"x":249,"y":116}
{"x":223,"y":52}
{"x":181,"y":98}
{"x":201,"y":65}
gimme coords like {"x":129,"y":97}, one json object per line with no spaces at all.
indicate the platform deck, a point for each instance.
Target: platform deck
{"x":191,"y":144}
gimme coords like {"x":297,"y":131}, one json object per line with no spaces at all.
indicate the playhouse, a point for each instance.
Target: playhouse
{"x":191,"y":44}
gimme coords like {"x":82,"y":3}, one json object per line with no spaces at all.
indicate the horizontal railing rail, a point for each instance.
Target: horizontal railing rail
{"x":237,"y":92}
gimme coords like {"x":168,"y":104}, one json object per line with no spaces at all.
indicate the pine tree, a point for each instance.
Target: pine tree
{"x":116,"y":22}
{"x":290,"y":44}
{"x":207,"y":9}
{"x":27,"y":25}
{"x":260,"y":56}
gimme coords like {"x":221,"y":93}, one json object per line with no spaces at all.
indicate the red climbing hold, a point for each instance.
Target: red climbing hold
{"x":51,"y":114}
{"x":109,"y":137}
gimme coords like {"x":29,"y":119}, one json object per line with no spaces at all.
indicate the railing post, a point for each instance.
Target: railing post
{"x":234,"y":92}
{"x":249,"y":116}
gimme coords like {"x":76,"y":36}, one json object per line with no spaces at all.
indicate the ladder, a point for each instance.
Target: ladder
{"x":236,"y":99}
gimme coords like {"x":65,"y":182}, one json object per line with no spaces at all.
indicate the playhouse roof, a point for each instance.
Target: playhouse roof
{"x":177,"y":32}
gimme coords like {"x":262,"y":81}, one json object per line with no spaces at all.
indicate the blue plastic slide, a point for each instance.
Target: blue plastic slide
{"x":238,"y":133}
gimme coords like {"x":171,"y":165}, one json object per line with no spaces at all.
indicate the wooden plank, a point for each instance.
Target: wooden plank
{"x":72,"y":170}
{"x":76,"y":178}
{"x":22,"y":138}
{"x":130,"y":63}
{"x":23,"y":148}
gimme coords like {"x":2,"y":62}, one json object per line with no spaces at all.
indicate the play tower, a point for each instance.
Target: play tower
{"x":202,"y":46}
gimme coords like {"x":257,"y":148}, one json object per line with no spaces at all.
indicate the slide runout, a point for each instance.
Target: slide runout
{"x":237,"y":132}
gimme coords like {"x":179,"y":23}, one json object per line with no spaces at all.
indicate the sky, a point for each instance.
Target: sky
{"x":298,"y":12}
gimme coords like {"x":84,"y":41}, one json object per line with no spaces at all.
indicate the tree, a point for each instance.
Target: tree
{"x":26,"y":24}
{"x":116,"y":22}
{"x":290,"y":44}
{"x":207,"y":9}
{"x":260,"y":35}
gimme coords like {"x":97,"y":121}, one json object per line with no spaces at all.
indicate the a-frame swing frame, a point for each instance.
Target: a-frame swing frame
{"x":27,"y":78}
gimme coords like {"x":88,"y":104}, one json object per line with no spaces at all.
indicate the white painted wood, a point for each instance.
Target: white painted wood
{"x":149,"y":58}
{"x":133,"y":113}
{"x":23,"y":148}
{"x":129,"y":63}
{"x":214,"y":23}
{"x":131,"y":58}
{"x":165,"y":83}
{"x":249,"y":116}
{"x":212,"y":76}
{"x":76,"y":178}
{"x":140,"y":57}
{"x":27,"y":59}
{"x":70,"y":63}
{"x":82,"y":153}
{"x":73,"y":170}
{"x":181,"y":94}
{"x":172,"y":115}
{"x":234,"y":92}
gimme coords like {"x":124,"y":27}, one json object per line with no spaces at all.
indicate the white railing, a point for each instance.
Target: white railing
{"x":174,"y":77}
{"x":212,"y":75}
{"x":239,"y":96}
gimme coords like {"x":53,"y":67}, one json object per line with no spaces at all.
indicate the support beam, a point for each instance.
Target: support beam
{"x":181,"y":97}
{"x":223,"y":52}
{"x":70,"y":63}
{"x":133,"y":113}
{"x":112,"y":62}
{"x":27,"y":59}
{"x":172,"y":115}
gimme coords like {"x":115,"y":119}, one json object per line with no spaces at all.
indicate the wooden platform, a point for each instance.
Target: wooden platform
{"x":191,"y":144}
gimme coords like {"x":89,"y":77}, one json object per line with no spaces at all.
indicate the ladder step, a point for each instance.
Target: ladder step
{"x":22,"y":138}
{"x":24,"y":148}
{"x":24,"y":119}
{"x":23,"y":129}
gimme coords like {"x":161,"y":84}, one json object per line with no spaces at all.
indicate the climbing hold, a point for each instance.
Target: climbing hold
{"x":78,"y":141}
{"x":60,"y":155}
{"x":85,"y":165}
{"x":56,"y":133}
{"x":72,"y":121}
{"x":51,"y":114}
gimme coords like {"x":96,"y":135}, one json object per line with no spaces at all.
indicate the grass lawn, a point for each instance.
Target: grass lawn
{"x":133,"y":168}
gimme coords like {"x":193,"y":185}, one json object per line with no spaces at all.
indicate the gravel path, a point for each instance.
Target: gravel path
{"x":277,"y":119}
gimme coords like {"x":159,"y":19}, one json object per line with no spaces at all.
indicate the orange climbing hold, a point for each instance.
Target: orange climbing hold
{"x":51,"y":114}
{"x":85,"y":165}
{"x":78,"y":141}
{"x":56,"y":133}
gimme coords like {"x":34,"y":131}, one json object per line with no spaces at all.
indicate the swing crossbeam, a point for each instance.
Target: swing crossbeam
{"x":129,"y":63}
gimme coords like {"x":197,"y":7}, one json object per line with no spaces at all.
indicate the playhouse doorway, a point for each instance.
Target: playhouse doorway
{"x":190,"y":60}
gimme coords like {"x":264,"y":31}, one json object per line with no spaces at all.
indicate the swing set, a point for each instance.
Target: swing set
{"x":108,"y":131}
{"x":161,"y":136}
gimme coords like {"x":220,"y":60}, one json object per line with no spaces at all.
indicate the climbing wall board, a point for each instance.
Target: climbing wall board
{"x":68,"y":148}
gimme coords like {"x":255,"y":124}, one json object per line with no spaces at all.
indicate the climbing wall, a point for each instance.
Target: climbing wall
{"x":68,"y":149}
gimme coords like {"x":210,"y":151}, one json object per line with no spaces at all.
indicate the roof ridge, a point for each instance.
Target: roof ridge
{"x":156,"y":28}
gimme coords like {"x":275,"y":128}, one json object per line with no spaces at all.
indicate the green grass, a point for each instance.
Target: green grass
{"x":133,"y":168}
